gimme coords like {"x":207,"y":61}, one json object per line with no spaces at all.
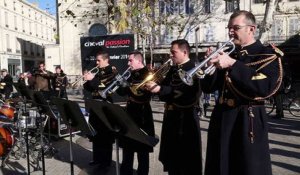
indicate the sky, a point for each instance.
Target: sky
{"x":48,"y":5}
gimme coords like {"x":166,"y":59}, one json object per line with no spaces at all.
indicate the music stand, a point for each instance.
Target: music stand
{"x":44,"y":108}
{"x":118,"y":122}
{"x":25,"y":92}
{"x":71,"y":114}
{"x":27,"y":95}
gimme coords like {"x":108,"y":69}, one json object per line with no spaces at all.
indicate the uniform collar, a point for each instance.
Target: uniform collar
{"x":250,"y":49}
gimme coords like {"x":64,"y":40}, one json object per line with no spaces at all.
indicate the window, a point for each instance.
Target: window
{"x":8,"y":43}
{"x":35,"y":28}
{"x":189,"y":7}
{"x":207,"y":6}
{"x":231,"y":6}
{"x":294,"y":28}
{"x":31,"y":48}
{"x":174,"y":7}
{"x":24,"y":47}
{"x":276,"y":30}
{"x":30,"y":31}
{"x":258,"y":1}
{"x":23,"y":24}
{"x":6,"y":19}
{"x":209,"y":36}
{"x":15,"y":22}
{"x":17,"y":46}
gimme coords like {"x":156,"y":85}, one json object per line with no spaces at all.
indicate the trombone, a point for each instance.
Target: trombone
{"x":156,"y":76}
{"x":93,"y":71}
{"x":119,"y":79}
{"x":187,"y":76}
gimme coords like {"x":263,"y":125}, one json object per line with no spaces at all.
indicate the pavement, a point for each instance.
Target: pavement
{"x":284,"y":138}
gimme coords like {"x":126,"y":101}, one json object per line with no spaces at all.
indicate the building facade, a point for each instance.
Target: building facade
{"x":24,"y":30}
{"x":86,"y":18}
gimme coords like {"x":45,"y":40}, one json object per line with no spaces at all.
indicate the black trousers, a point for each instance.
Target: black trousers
{"x":102,"y":141}
{"x":127,"y":162}
{"x":102,"y":150}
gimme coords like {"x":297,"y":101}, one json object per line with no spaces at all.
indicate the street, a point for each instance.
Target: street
{"x":284,"y":135}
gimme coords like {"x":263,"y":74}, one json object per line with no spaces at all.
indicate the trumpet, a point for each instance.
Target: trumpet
{"x":187,"y":76}
{"x":156,"y":76}
{"x":93,"y":71}
{"x":119,"y":79}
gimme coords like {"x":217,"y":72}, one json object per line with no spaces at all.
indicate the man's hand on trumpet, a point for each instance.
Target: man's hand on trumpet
{"x":88,"y":76}
{"x":222,"y":60}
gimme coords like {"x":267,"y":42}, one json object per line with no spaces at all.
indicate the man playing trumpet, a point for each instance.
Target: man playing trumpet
{"x":180,"y":148}
{"x":95,"y":82}
{"x":43,"y":80}
{"x":238,"y":130}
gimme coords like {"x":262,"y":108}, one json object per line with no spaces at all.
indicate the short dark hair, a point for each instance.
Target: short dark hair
{"x":41,"y":62}
{"x":103,"y":53}
{"x":182,"y":44}
{"x":248,"y":15}
{"x":137,"y":55}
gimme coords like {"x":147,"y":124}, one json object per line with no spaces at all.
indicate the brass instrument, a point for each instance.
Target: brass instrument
{"x":2,"y":85}
{"x":93,"y":71}
{"x":119,"y":79}
{"x":187,"y":76}
{"x":156,"y":77}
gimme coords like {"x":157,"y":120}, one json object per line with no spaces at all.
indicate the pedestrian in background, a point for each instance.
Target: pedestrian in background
{"x":6,"y":83}
{"x":60,"y":83}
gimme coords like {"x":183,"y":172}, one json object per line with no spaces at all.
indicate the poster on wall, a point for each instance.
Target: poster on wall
{"x":117,"y":46}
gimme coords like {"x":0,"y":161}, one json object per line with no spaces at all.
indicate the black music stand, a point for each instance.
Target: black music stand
{"x":24,"y":91}
{"x":71,"y":114}
{"x":44,"y":108}
{"x":117,"y":121}
{"x":27,"y":95}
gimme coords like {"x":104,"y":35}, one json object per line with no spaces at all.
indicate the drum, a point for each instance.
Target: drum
{"x":30,"y":118}
{"x":7,"y":140}
{"x":7,"y":112}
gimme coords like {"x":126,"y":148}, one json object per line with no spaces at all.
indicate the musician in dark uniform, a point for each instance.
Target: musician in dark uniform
{"x":140,"y":111}
{"x":60,"y":83}
{"x":180,"y":146}
{"x":102,"y":142}
{"x":6,"y":83}
{"x":238,"y":130}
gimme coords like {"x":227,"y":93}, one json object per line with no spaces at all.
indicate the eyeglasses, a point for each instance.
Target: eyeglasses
{"x":237,"y":27}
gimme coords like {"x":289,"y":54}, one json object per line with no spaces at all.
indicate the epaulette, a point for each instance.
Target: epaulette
{"x":277,"y":50}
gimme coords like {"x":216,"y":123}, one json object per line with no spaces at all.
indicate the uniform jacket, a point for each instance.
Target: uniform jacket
{"x":231,"y":147}
{"x":180,"y":145}
{"x":102,"y":79}
{"x":138,"y":108}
